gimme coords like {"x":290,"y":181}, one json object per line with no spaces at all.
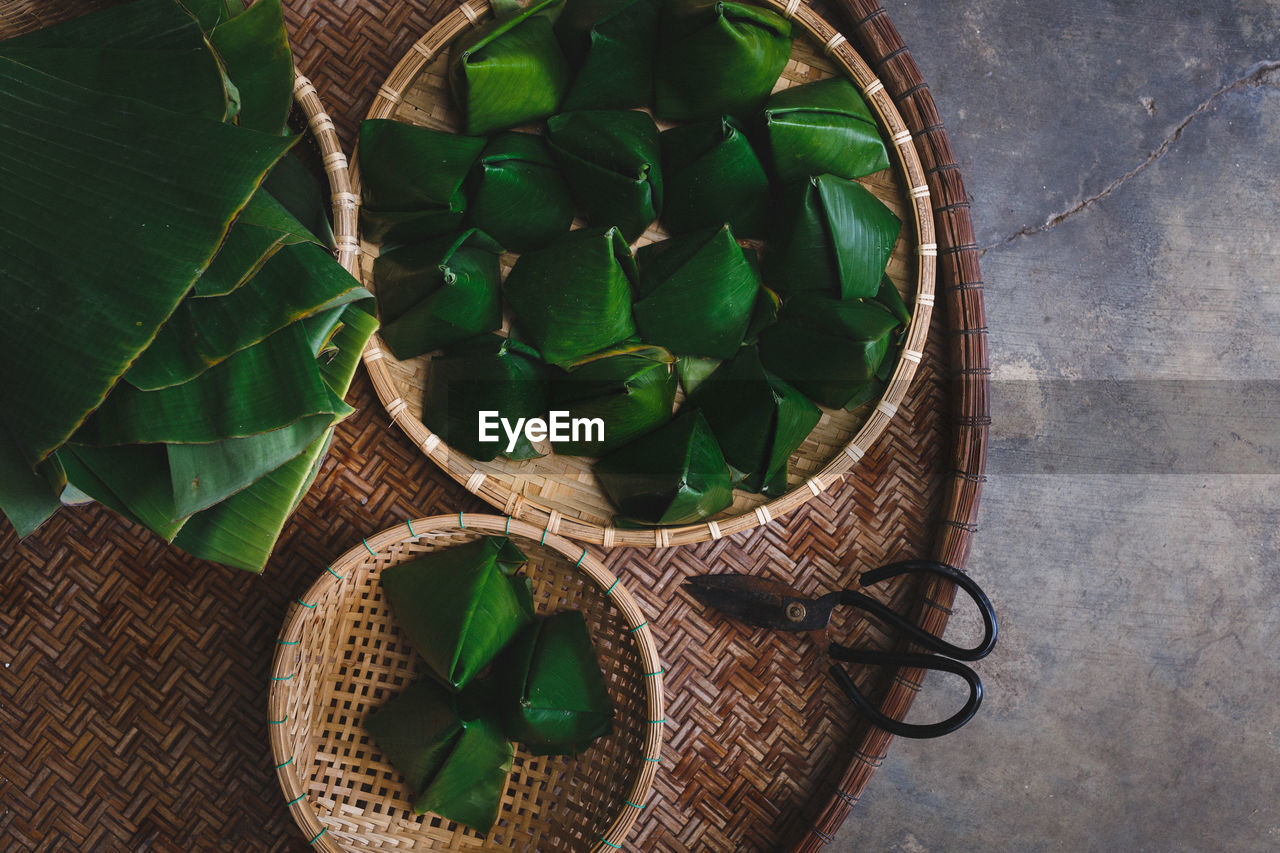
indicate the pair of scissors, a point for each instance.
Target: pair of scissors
{"x":772,"y":604}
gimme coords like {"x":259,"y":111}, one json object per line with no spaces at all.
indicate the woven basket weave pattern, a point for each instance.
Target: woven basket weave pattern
{"x":136,"y":718}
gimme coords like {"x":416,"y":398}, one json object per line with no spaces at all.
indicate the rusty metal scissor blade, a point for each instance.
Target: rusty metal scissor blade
{"x":760,"y":601}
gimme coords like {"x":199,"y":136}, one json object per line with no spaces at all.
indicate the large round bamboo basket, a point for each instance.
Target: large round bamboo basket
{"x":339,"y":656}
{"x":560,"y":493}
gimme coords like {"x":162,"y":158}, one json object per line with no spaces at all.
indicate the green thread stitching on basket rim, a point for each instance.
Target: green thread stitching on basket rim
{"x":657,"y":722}
{"x":297,"y":798}
{"x":286,"y":764}
{"x":647,"y":758}
{"x":508,"y":530}
{"x":367,"y":548}
{"x":543,"y":541}
{"x":583,"y":557}
{"x":308,"y":606}
{"x":278,"y":722}
{"x":633,"y":805}
{"x":282,"y":677}
{"x":330,"y":570}
{"x":638,"y":627}
{"x":288,"y":642}
{"x":610,"y":843}
{"x":318,"y":834}
{"x":660,"y":671}
{"x":611,"y":586}
{"x":409,"y":524}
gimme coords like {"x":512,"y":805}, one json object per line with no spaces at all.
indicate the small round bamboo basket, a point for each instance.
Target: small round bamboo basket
{"x":340,"y":656}
{"x":560,"y":493}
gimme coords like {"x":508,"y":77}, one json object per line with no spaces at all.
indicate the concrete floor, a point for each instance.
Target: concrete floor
{"x":1121,"y":158}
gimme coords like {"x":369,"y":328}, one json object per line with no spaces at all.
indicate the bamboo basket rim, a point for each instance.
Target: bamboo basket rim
{"x":302,"y":611}
{"x":463,"y":469}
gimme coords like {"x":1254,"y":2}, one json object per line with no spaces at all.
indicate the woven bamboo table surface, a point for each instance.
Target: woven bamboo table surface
{"x":134,"y":680}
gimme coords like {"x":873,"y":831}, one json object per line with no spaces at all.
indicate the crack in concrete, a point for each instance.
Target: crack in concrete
{"x":1255,"y":76}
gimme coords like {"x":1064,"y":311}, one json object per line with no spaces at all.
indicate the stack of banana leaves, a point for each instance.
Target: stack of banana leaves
{"x":766,"y":303}
{"x":181,"y":337}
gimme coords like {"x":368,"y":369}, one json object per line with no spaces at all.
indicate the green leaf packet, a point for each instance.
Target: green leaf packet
{"x":411,"y":180}
{"x":758,"y":420}
{"x":438,"y":293}
{"x":712,"y":176}
{"x":485,"y":374}
{"x":823,"y":128}
{"x":553,"y":694}
{"x":696,"y":293}
{"x":831,"y":349}
{"x":458,"y":607}
{"x":612,"y":163}
{"x":630,"y":389}
{"x":510,"y":71}
{"x":518,"y":196}
{"x":717,"y":57}
{"x":834,"y":237}
{"x":573,"y":297}
{"x":675,"y":474}
{"x":451,"y":752}
{"x":610,"y":42}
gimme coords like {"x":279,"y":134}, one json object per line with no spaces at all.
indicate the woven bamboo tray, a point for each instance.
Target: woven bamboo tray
{"x":561,"y":492}
{"x":340,"y":656}
{"x":134,"y":715}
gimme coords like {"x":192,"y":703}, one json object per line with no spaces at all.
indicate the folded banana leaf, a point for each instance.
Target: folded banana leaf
{"x":454,"y":759}
{"x":26,"y":497}
{"x":611,"y":45}
{"x":242,"y":531}
{"x":72,"y":313}
{"x":829,"y":348}
{"x":694,"y":370}
{"x":835,"y":237}
{"x":186,"y":80}
{"x":554,"y":697}
{"x":696,"y":293}
{"x":764,"y":314}
{"x":573,"y":297}
{"x":491,"y":374}
{"x":823,"y":128}
{"x":675,"y":474}
{"x":266,"y":386}
{"x":630,"y":389}
{"x":612,"y":163}
{"x":254,"y":49}
{"x":758,"y":420}
{"x":263,"y":228}
{"x":438,"y":293}
{"x":459,"y":607}
{"x":152,"y":50}
{"x":141,"y":25}
{"x":890,"y":298}
{"x":510,"y":71}
{"x":716,"y":57}
{"x":411,"y":180}
{"x":299,"y":191}
{"x":518,"y":196}
{"x":297,"y":282}
{"x":713,"y":177}
{"x":129,"y":480}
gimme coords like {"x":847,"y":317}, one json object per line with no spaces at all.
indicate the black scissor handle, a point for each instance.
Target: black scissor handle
{"x":918,"y":635}
{"x":913,"y":660}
